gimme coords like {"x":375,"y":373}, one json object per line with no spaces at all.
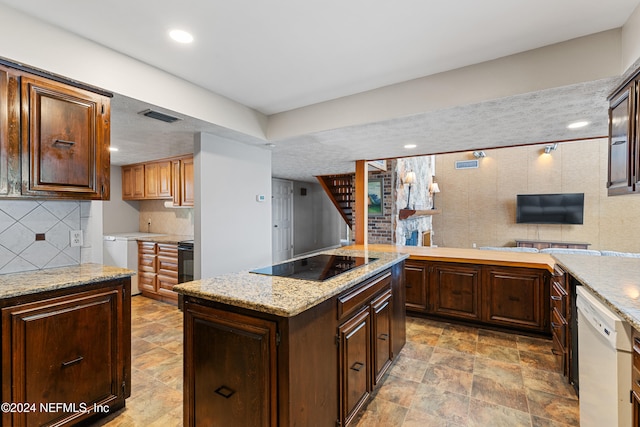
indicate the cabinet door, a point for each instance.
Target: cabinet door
{"x":65,"y":140}
{"x":157,"y":180}
{"x":516,"y":297}
{"x":355,"y":364}
{"x":636,"y":409}
{"x":63,"y":350}
{"x":621,"y":142}
{"x":186,"y":191}
{"x":381,"y":325}
{"x":416,"y":285}
{"x":133,"y":182}
{"x":230,"y":376}
{"x":454,"y":290}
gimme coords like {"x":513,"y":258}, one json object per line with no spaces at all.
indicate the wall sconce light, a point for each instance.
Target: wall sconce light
{"x":433,"y":190}
{"x":549,"y":148}
{"x":479,"y":154}
{"x":409,"y":178}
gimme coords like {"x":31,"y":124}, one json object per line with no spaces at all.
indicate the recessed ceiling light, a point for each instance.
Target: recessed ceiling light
{"x":409,"y":146}
{"x":578,"y":125}
{"x":113,"y":148}
{"x":181,"y":36}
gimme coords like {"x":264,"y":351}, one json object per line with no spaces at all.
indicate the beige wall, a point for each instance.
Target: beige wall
{"x":165,"y":220}
{"x":478,"y":205}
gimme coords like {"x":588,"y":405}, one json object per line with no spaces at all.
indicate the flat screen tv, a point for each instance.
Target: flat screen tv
{"x":565,"y":208}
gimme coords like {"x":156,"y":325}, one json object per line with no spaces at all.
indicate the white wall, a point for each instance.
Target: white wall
{"x":119,"y":215}
{"x":232,"y":229}
{"x":631,"y":40}
{"x":316,"y":221}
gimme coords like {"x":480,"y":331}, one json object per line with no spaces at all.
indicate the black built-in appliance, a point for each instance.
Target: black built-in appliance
{"x":185,"y":261}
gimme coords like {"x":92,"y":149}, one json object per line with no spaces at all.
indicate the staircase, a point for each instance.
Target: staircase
{"x":339,"y":188}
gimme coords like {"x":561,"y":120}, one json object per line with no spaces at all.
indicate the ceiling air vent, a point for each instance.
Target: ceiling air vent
{"x":467,"y":164}
{"x":159,"y":116}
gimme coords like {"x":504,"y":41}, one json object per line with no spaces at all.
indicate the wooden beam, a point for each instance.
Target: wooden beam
{"x":362,"y":206}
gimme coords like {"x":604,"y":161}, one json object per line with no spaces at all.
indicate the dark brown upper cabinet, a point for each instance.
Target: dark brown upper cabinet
{"x":54,"y":136}
{"x":624,"y":150}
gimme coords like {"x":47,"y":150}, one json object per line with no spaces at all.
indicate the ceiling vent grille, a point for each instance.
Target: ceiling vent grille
{"x":467,"y":164}
{"x":159,"y":116}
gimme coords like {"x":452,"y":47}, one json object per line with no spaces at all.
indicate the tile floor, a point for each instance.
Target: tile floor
{"x":446,"y":375}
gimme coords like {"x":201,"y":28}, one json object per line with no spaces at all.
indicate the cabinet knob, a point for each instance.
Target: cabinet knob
{"x":225,"y":391}
{"x":357,"y":366}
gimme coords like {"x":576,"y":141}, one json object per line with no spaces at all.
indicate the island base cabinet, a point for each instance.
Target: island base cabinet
{"x":455,"y":290}
{"x":355,"y":364}
{"x":72,"y":350}
{"x":230,"y":379}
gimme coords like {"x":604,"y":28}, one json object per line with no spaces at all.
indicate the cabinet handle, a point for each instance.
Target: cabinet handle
{"x":555,"y":325}
{"x":618,"y":142}
{"x":62,"y":141}
{"x":456,"y":292}
{"x":556,"y":298}
{"x":556,"y":352}
{"x":225,"y":392}
{"x":357,"y":366}
{"x":383,"y":337}
{"x":408,"y":285}
{"x":72,"y":362}
{"x":512,"y":298}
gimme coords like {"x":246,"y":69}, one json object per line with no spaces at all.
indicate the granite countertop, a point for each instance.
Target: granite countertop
{"x":615,"y":280}
{"x":166,"y":238}
{"x":285,"y":296}
{"x":467,"y":255}
{"x":32,"y":282}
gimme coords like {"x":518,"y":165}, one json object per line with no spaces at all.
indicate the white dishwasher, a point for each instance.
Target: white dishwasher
{"x":604,"y":360}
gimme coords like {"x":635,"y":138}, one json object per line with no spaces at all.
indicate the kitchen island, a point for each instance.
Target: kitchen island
{"x":66,"y":340}
{"x":277,"y":351}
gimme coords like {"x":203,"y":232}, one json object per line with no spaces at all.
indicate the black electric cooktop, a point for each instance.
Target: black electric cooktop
{"x":317,"y":267}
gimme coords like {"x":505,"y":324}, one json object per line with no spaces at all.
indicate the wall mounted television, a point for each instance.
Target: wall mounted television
{"x":565,"y":208}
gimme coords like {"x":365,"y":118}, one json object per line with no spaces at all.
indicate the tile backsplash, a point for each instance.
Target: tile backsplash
{"x":21,"y":220}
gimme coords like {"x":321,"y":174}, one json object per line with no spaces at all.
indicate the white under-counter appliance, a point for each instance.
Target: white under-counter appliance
{"x":604,"y":354}
{"x":121,"y":250}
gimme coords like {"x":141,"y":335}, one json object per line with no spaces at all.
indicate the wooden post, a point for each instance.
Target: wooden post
{"x":362,"y":205}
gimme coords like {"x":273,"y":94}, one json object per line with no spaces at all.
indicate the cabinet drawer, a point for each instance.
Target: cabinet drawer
{"x":168,"y":266}
{"x":168,"y":249}
{"x":166,"y":284}
{"x":636,"y":351}
{"x":147,"y":282}
{"x":559,"y":299}
{"x":147,"y":263}
{"x":147,"y":248}
{"x":559,"y":327}
{"x":354,"y":299}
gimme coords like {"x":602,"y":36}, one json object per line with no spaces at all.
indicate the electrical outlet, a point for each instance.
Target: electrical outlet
{"x":75,"y":238}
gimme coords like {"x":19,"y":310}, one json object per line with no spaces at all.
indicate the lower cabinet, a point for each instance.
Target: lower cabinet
{"x":70,"y":349}
{"x":511,"y":297}
{"x":249,"y":368}
{"x":158,"y":270}
{"x":454,"y":290}
{"x":232,"y":377}
{"x":635,"y":379}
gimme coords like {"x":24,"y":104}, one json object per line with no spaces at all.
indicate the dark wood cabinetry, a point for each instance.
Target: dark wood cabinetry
{"x":158,"y":270}
{"x":560,"y":316}
{"x":635,"y":378}
{"x":415,"y":280}
{"x":454,"y":290}
{"x":511,"y":297}
{"x":233,"y":375}
{"x":624,"y":143}
{"x":319,"y":367}
{"x":515,"y":297}
{"x":54,"y":136}
{"x":73,"y":348}
{"x":167,"y":179}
